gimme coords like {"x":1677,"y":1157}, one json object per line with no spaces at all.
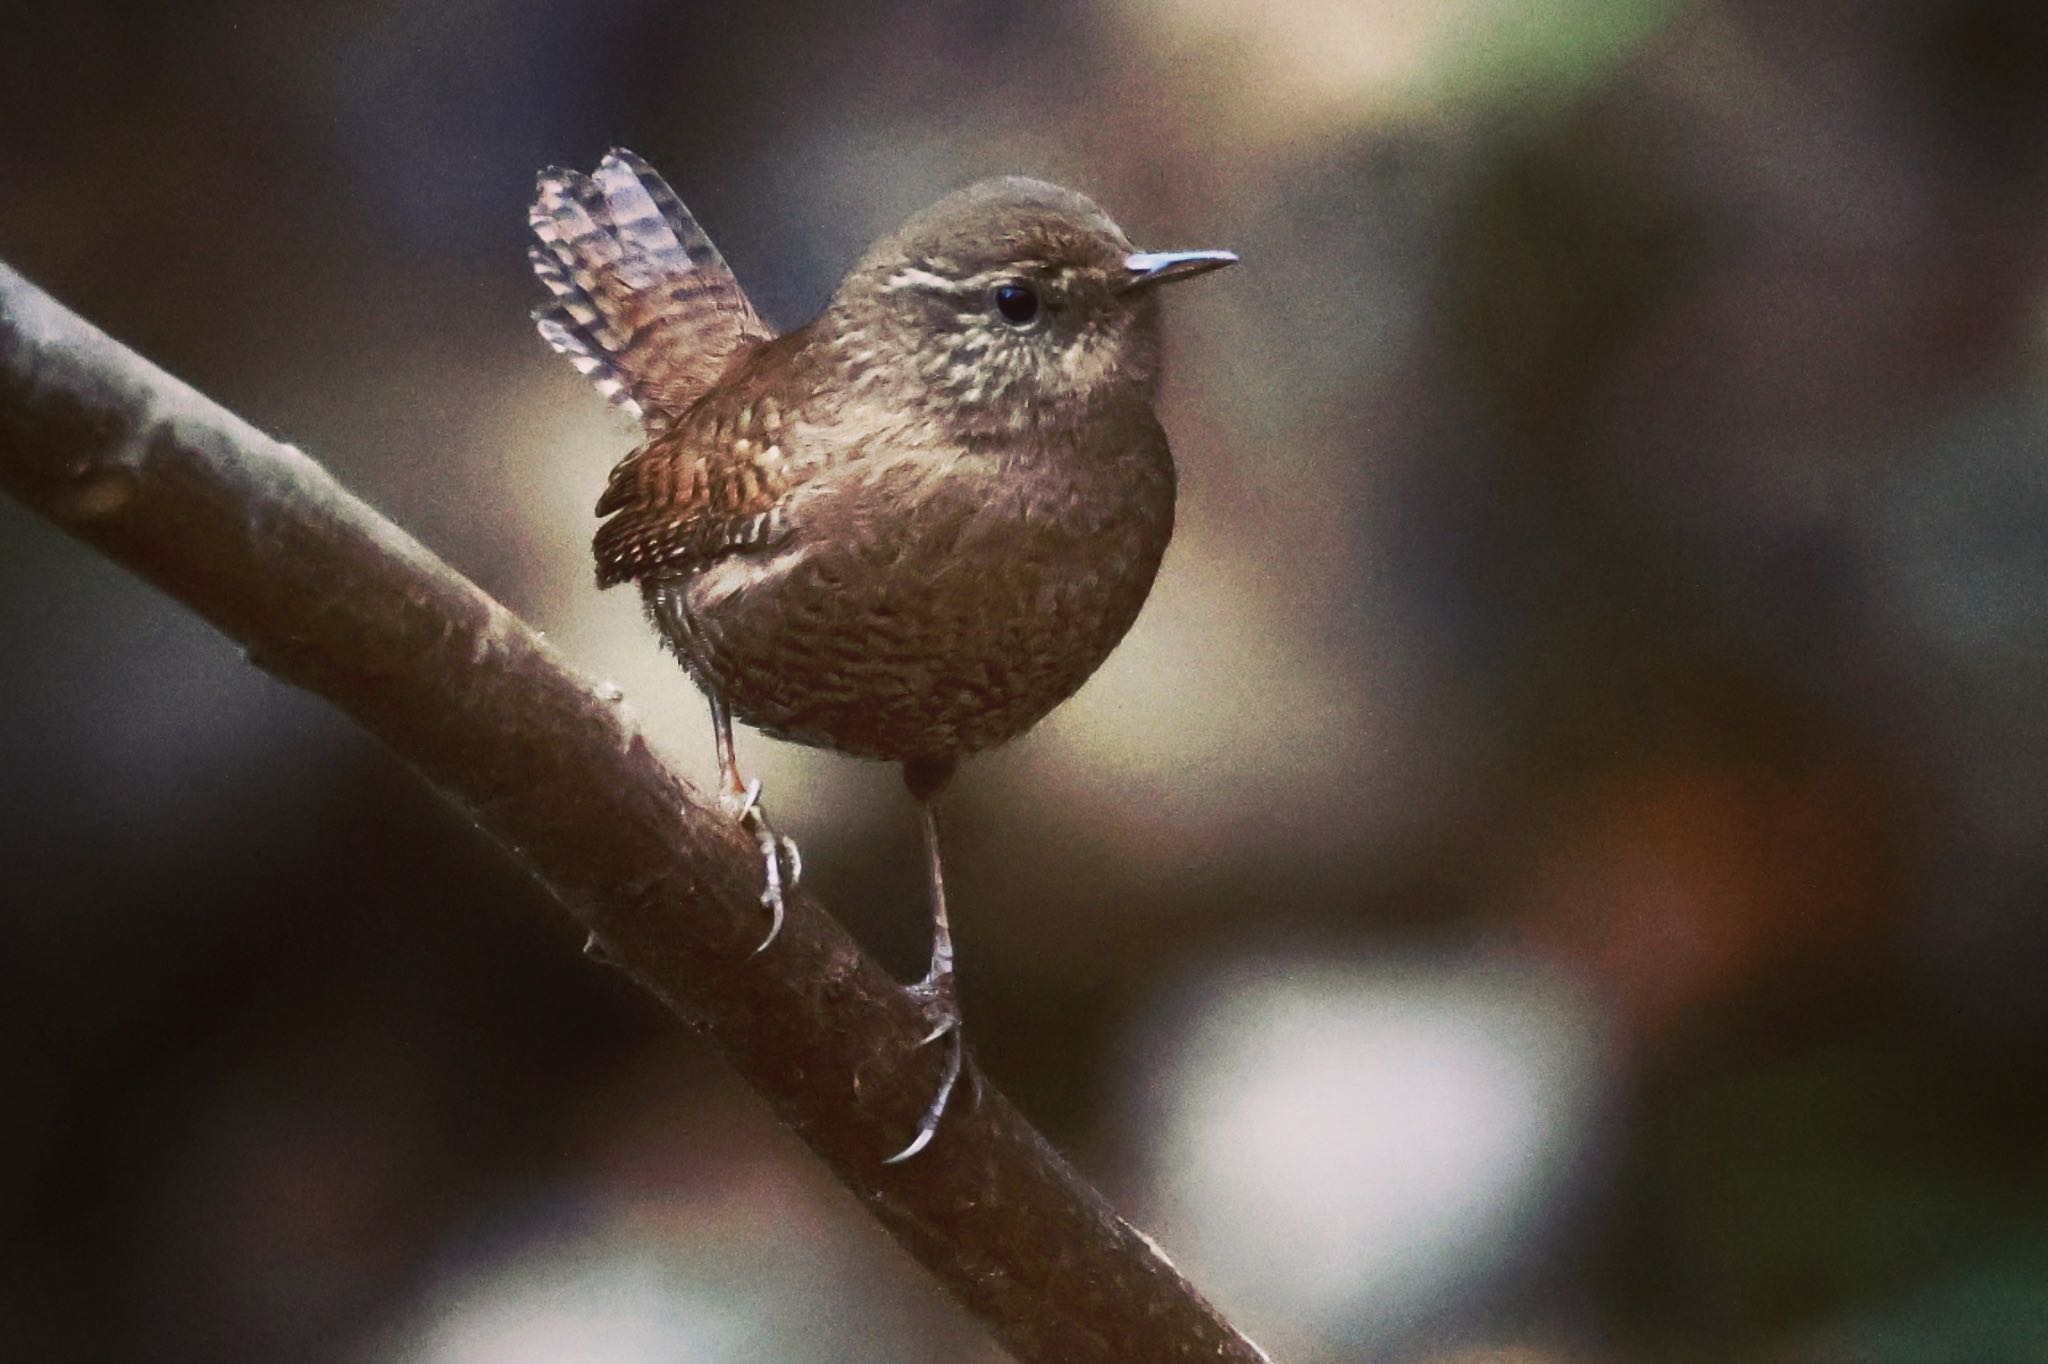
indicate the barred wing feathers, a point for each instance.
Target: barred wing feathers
{"x":713,"y":484}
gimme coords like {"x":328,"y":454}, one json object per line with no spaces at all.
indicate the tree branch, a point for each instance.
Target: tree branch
{"x":327,"y":595}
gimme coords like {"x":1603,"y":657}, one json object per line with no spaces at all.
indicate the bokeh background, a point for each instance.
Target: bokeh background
{"x":1557,"y":875}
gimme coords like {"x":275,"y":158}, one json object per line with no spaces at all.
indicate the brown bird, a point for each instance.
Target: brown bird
{"x":907,"y":530}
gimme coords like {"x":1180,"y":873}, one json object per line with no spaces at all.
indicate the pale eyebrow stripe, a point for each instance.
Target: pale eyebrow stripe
{"x":915,"y":277}
{"x":910,"y":277}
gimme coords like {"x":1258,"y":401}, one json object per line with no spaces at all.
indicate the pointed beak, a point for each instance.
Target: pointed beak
{"x":1148,"y":268}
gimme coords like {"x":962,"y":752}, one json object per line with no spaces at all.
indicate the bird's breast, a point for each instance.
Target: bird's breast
{"x":930,"y":602}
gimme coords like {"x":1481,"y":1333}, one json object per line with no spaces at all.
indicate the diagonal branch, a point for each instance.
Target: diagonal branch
{"x":328,"y":595}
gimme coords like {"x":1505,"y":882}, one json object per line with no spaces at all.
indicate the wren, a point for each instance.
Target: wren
{"x":905,"y":531}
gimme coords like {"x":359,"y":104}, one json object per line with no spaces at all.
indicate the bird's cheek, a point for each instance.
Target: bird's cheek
{"x":1088,"y":364}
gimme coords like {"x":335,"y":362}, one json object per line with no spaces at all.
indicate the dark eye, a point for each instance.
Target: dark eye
{"x":1018,"y":303}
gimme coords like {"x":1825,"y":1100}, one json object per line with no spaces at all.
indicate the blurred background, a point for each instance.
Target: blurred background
{"x":1558,"y":874}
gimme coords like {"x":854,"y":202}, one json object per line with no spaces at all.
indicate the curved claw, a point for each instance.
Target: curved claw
{"x":928,"y":1125}
{"x":793,"y":860}
{"x":917,"y":1143}
{"x":772,"y":887}
{"x":750,"y":801}
{"x":772,"y":898}
{"x":778,"y":851}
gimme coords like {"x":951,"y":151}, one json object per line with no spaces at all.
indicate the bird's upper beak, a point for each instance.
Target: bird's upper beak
{"x":1147,"y":268}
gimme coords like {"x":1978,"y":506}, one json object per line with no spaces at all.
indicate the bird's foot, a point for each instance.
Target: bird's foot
{"x":782,"y":863}
{"x":942,"y":1008}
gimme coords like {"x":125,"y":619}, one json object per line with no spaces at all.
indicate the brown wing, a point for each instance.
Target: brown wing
{"x":644,"y":306}
{"x":713,"y":484}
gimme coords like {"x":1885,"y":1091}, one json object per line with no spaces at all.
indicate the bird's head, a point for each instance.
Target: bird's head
{"x":1013,"y":303}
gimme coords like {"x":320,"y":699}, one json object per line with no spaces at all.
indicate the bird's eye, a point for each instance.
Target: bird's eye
{"x":1017,"y":303}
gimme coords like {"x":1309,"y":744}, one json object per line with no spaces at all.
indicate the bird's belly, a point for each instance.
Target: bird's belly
{"x":902,"y":650}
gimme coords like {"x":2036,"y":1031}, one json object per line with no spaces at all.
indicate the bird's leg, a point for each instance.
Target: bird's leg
{"x":936,"y":991}
{"x":783,"y":864}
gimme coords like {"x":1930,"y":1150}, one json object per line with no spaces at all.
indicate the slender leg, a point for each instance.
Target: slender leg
{"x":937,"y":990}
{"x":782,"y":863}
{"x":938,"y":981}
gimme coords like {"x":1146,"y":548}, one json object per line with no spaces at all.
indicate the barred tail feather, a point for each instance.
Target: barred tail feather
{"x":569,"y":325}
{"x":641,"y":302}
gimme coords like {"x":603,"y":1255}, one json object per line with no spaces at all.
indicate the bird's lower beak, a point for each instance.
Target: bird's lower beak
{"x":1148,"y":268}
